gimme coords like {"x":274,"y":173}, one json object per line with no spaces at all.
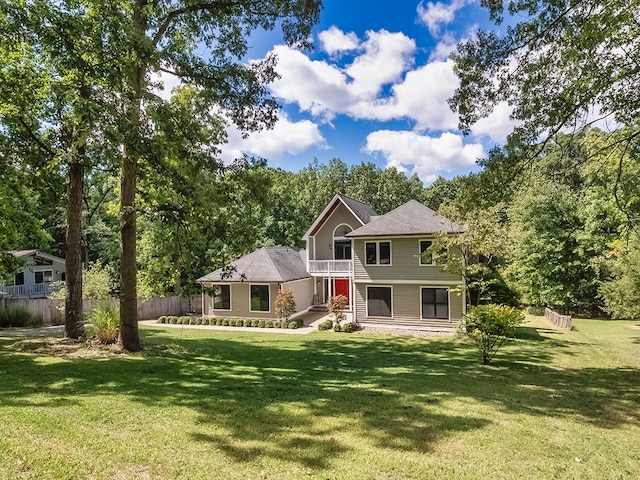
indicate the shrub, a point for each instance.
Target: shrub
{"x":326,"y":325}
{"x":225,"y":322}
{"x":247,"y":322}
{"x":261,"y":323}
{"x":219,"y":321}
{"x":255,"y":323}
{"x":285,"y":305}
{"x":348,"y":327}
{"x":102,"y":324}
{"x":299,"y":321}
{"x":337,"y":327}
{"x":337,"y":305}
{"x":186,"y":320}
{"x":268,"y":324}
{"x":293,"y":325}
{"x":18,"y":316}
{"x":490,"y":326}
{"x":162,"y":319}
{"x":174,"y":320}
{"x":205,"y":321}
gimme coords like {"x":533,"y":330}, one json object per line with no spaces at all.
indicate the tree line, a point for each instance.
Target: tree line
{"x":552,"y":233}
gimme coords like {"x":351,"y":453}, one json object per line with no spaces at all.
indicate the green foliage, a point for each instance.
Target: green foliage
{"x":556,"y":64}
{"x":348,"y":327}
{"x":18,"y":316}
{"x":621,"y":294}
{"x":490,"y":326}
{"x":337,"y":305}
{"x":337,"y":327}
{"x":97,"y":283}
{"x":102,"y":324}
{"x":285,"y":304}
{"x":326,"y":325}
{"x":292,"y":325}
{"x":547,"y":262}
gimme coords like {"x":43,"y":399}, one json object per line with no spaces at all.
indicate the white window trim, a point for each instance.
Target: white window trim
{"x":366,"y":300}
{"x":448,"y":302}
{"x":43,"y":275}
{"x":268,"y":285}
{"x":378,"y":264}
{"x":213,"y":298}
{"x":334,"y":238}
{"x":420,"y":254}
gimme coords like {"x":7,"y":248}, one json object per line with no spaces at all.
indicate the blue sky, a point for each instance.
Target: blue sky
{"x":375,"y":88}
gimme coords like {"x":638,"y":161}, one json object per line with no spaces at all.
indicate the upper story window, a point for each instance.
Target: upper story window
{"x":377,"y":253}
{"x":45,"y":276}
{"x":341,"y":244}
{"x":425,"y":258}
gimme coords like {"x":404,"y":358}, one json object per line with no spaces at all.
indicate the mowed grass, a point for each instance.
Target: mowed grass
{"x":206,"y":404}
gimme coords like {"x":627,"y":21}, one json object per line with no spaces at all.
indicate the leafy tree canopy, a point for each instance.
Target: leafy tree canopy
{"x":567,"y":64}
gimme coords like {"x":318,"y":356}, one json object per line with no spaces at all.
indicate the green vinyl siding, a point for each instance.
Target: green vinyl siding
{"x":406,"y":303}
{"x":405,"y":265}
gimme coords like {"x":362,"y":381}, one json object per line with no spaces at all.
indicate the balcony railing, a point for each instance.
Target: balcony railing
{"x":326,"y":267}
{"x":39,"y":290}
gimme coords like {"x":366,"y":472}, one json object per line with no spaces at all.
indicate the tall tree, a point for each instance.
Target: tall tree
{"x":168,"y":36}
{"x":48,"y":64}
{"x":560,"y":64}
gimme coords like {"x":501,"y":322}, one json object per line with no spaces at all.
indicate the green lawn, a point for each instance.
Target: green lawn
{"x":203,"y":404}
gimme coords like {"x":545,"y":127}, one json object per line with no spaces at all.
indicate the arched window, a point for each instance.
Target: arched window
{"x":341,"y":244}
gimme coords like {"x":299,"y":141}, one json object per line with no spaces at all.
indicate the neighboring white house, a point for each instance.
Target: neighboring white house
{"x":34,"y":279}
{"x":377,"y":262}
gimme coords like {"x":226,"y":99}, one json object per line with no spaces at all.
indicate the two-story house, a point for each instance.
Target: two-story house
{"x":377,"y":262}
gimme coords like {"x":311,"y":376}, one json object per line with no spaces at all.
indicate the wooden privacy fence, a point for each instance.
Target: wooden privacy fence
{"x":560,"y":320}
{"x":52,"y":311}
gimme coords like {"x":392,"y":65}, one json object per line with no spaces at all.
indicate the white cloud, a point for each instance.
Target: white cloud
{"x":335,"y":41}
{"x":386,"y":56}
{"x":286,"y":136}
{"x":497,"y":125}
{"x":427,"y":156}
{"x":421,"y":97}
{"x":168,"y":83}
{"x":325,"y":90}
{"x":443,"y":48}
{"x":435,"y":15}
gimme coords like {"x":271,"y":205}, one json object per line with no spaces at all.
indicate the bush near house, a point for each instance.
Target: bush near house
{"x":285,"y":305}
{"x":490,"y":326}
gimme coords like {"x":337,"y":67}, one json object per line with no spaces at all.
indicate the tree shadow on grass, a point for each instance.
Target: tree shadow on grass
{"x":293,"y":399}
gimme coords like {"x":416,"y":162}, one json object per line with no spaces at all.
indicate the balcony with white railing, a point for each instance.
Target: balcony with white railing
{"x":39,"y":290}
{"x":330,"y":267}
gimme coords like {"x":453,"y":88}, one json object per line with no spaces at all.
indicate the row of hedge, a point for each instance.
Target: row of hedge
{"x":337,"y":327}
{"x":229,"y":322}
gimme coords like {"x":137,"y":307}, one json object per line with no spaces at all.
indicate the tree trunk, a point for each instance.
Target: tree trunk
{"x":73,"y":321}
{"x":129,"y":337}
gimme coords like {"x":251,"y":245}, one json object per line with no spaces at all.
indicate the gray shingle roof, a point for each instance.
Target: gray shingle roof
{"x":363,"y":211}
{"x":267,"y":264}
{"x":412,"y":218}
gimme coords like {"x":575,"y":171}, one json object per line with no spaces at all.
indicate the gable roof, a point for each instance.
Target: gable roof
{"x":412,"y":218}
{"x":32,"y":252}
{"x":267,"y":264}
{"x":360,"y":210}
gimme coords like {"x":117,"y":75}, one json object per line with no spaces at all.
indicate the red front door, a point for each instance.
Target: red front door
{"x":341,"y":287}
